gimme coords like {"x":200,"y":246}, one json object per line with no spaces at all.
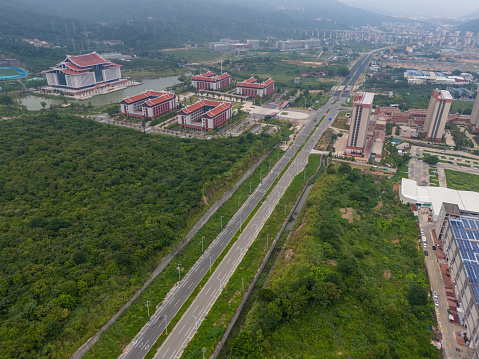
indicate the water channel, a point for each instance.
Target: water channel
{"x":33,"y":103}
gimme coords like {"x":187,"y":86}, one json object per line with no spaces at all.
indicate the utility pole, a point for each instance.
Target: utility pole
{"x":148,"y":302}
{"x":179,"y":270}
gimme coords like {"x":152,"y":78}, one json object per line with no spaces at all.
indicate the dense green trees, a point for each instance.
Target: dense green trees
{"x":87,"y":212}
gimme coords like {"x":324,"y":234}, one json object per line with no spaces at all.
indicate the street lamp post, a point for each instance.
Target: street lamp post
{"x":166,"y":324}
{"x":250,"y":187}
{"x":204,"y":351}
{"x":179,"y":271}
{"x":267,"y":240}
{"x":147,"y":305}
{"x":238,"y":201}
{"x":202,"y":240}
{"x":210,"y":265}
{"x":260,"y":175}
{"x":221,"y":222}
{"x":242,"y":283}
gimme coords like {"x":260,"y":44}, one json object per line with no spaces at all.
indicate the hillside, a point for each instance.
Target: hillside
{"x":87,"y":212}
{"x":350,"y":282}
{"x":472,"y":25}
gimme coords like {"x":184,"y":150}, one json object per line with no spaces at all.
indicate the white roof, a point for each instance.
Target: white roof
{"x":466,"y":200}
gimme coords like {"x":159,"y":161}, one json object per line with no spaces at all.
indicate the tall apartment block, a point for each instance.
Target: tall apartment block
{"x":475,"y":115}
{"x":437,"y":114}
{"x":362,"y":108}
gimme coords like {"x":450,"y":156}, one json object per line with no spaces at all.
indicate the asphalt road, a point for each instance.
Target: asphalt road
{"x":184,"y":330}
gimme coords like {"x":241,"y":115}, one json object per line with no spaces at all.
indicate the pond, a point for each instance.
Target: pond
{"x":33,"y":103}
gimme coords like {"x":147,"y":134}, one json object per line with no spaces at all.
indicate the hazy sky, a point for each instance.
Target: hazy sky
{"x":419,"y":7}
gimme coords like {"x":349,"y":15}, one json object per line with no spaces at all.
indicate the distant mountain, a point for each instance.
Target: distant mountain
{"x":343,"y":14}
{"x":150,"y":25}
{"x":472,"y":14}
{"x":472,"y":25}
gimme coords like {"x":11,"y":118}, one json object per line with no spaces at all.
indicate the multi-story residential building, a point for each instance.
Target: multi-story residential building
{"x":148,"y":104}
{"x":458,"y":230}
{"x":475,"y":115}
{"x":210,"y":81}
{"x":205,"y":115}
{"x":251,"y":87}
{"x":78,"y":75}
{"x":358,"y":130}
{"x":437,"y":114}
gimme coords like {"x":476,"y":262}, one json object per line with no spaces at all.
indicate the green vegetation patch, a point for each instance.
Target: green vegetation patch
{"x":88,"y":211}
{"x":350,"y":281}
{"x":8,"y":71}
{"x":462,"y":181}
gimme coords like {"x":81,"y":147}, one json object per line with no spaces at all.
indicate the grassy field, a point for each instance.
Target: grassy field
{"x":462,"y":181}
{"x":350,"y":283}
{"x":199,"y":54}
{"x":5,"y":71}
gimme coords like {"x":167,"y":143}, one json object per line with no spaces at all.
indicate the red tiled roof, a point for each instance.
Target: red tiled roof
{"x":87,"y":60}
{"x":166,"y":97}
{"x":249,"y":83}
{"x":224,"y":76}
{"x":210,"y":77}
{"x":71,"y":66}
{"x":69,"y":72}
{"x":251,"y":80}
{"x":219,"y":109}
{"x":201,"y":103}
{"x":143,"y":96}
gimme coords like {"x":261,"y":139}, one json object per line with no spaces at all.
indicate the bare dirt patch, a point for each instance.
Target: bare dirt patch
{"x":396,"y":240}
{"x":221,"y":321}
{"x":332,"y":262}
{"x":349,"y":214}
{"x":387,"y":274}
{"x":380,"y":204}
{"x":288,"y":255}
{"x":305,"y":63}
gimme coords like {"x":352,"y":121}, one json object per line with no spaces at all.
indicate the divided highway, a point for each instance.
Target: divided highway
{"x":184,"y":330}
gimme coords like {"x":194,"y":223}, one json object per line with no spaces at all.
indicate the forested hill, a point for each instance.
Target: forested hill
{"x":472,"y":25}
{"x":156,"y":24}
{"x":87,"y":211}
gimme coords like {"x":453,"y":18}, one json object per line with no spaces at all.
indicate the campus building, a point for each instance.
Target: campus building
{"x":83,"y":74}
{"x":205,"y":115}
{"x":358,"y":130}
{"x":148,"y":104}
{"x":475,"y":115}
{"x":437,"y":114}
{"x":209,"y":81}
{"x":458,"y":230}
{"x":251,"y":87}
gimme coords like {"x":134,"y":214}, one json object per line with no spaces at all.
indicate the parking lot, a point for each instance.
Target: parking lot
{"x":440,"y":282}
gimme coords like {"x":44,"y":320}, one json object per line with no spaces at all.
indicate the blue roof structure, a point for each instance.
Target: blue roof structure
{"x":466,"y":233}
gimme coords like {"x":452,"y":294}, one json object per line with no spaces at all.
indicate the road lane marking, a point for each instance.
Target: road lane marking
{"x":165,"y":352}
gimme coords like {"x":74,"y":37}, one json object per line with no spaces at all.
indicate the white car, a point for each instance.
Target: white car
{"x":436,"y":303}
{"x":424,"y":245}
{"x":434,"y":294}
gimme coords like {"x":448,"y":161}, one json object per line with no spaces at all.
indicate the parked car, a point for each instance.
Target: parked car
{"x":436,"y":303}
{"x":434,"y":294}
{"x":433,"y":248}
{"x":438,"y":245}
{"x":426,"y":253}
{"x":424,"y":245}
